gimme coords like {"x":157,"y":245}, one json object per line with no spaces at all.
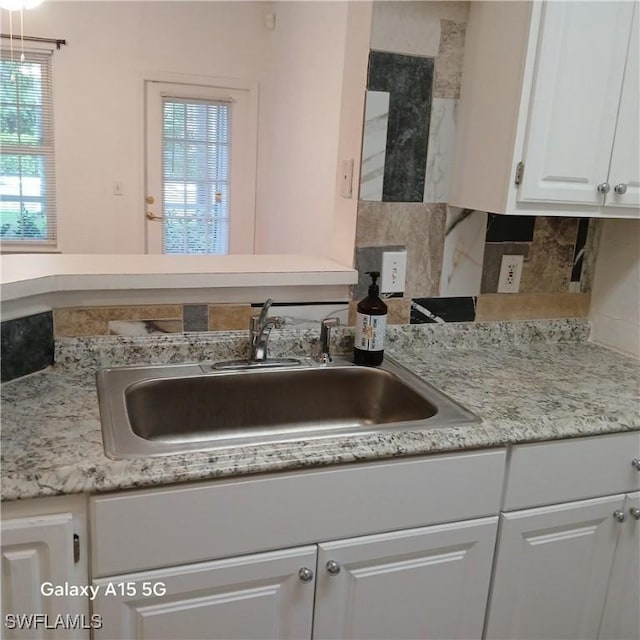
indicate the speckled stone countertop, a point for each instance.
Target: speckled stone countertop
{"x":528,"y":381}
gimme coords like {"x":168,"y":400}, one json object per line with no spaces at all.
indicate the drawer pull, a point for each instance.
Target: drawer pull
{"x":635,"y":512}
{"x":619,"y":515}
{"x":333,"y":568}
{"x":635,"y":463}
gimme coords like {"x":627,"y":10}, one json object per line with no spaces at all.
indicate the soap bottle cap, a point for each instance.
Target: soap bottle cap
{"x":374,"y":290}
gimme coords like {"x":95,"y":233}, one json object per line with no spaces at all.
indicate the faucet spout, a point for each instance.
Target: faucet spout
{"x":259,"y":330}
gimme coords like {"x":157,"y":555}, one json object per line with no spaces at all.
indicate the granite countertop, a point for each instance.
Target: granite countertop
{"x":528,"y":381}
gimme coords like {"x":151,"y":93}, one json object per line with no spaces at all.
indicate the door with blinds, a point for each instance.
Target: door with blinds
{"x":201,"y":145}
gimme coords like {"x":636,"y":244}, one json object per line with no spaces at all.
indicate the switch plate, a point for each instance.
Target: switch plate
{"x":510,"y":274}
{"x":346,"y":178}
{"x":394,"y":271}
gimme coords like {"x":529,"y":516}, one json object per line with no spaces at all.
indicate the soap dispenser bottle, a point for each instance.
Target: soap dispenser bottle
{"x":371,"y":323}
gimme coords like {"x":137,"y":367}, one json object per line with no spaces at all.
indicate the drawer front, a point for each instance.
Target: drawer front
{"x":554,"y":472}
{"x":162,"y":527}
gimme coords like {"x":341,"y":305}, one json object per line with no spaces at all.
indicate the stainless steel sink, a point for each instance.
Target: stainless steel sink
{"x":162,"y":410}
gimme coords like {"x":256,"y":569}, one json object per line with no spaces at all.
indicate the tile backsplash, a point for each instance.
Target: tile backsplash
{"x":27,"y":345}
{"x":454,"y":256}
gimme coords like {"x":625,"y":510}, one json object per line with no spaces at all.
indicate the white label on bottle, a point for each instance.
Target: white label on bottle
{"x":370,"y":332}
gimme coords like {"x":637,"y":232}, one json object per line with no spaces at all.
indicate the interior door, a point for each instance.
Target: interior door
{"x":201,"y":146}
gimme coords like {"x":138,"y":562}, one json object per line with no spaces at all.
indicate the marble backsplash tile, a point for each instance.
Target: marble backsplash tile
{"x":409,"y":80}
{"x":464,"y":247}
{"x":550,"y":261}
{"x":374,"y":145}
{"x":440,"y":152}
{"x":448,"y":71}
{"x":528,"y":306}
{"x":26,"y":345}
{"x":420,"y":227}
{"x":95,"y":321}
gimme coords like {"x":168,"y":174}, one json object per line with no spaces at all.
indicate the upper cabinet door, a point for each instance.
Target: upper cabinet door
{"x":580,"y":64}
{"x":624,"y":174}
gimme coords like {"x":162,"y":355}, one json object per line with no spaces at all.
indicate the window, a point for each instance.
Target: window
{"x":195,"y":176}
{"x":27,"y":179}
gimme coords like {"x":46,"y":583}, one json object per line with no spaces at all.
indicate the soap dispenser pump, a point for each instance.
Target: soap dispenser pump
{"x":371,"y":324}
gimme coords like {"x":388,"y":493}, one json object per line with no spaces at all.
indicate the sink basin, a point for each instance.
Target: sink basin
{"x":162,"y":410}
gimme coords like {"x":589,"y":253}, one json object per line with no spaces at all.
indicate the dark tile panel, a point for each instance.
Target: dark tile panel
{"x":578,"y":255}
{"x":492,"y":262}
{"x":195,"y":317}
{"x":26,"y":345}
{"x":510,"y":228}
{"x":462,"y":309}
{"x":409,"y":81}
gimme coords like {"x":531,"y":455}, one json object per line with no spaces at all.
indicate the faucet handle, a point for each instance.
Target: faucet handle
{"x":331,"y":322}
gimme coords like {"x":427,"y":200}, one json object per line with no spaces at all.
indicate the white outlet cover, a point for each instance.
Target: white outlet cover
{"x":394,"y":271}
{"x":510,"y":274}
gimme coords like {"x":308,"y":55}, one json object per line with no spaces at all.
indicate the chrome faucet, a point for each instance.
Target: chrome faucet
{"x":324,"y":356}
{"x":259,"y":330}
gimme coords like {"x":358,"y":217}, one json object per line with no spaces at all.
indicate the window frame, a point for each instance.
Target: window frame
{"x":46,"y":151}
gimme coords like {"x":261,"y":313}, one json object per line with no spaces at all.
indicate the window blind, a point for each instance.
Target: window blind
{"x":195,"y":175}
{"x":27,"y":161}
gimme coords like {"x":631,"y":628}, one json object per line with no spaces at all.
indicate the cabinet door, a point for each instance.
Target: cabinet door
{"x":38,"y":551}
{"x":582,"y":47}
{"x":421,"y":583}
{"x":625,"y":158}
{"x":259,"y":596}
{"x":552,"y":570}
{"x":621,"y":618}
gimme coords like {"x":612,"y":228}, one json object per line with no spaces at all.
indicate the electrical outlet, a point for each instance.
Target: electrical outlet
{"x":510,"y":274}
{"x":394,"y":271}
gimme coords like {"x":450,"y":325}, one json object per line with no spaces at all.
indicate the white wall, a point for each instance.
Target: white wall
{"x":98,"y":102}
{"x":615,"y":300}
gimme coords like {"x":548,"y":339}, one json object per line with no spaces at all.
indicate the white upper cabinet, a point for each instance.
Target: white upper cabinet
{"x":549,"y":110}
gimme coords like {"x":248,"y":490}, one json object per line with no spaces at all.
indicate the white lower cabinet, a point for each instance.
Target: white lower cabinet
{"x":44,"y":549}
{"x":259,"y":596}
{"x":621,"y":618}
{"x":381,"y":550}
{"x":552,"y":570}
{"x":423,"y":583}
{"x":569,"y":570}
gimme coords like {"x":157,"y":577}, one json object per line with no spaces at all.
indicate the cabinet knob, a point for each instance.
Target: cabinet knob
{"x":619,"y":515}
{"x":635,"y":463}
{"x":604,"y":187}
{"x":305,"y":574}
{"x":635,"y":512}
{"x":333,"y":568}
{"x":620,"y":189}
